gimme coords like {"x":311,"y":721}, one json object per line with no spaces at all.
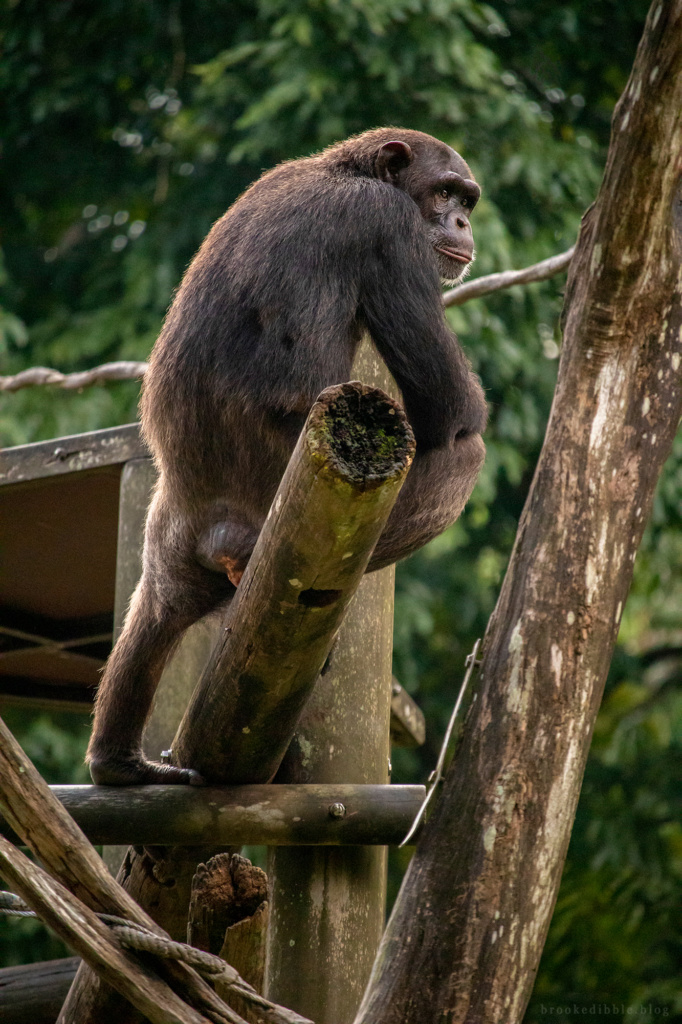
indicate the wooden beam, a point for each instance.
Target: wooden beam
{"x":233,"y":815}
{"x":328,"y":905}
{"x":71,"y":454}
{"x":331,"y":506}
{"x":34,"y":993}
{"x":408,"y":725}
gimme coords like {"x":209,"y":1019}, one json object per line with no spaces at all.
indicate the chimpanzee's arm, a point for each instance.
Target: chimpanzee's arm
{"x":401,"y":305}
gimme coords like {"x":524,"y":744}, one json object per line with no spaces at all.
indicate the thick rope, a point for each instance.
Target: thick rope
{"x":13,"y":906}
{"x":144,"y":940}
{"x":37,"y":375}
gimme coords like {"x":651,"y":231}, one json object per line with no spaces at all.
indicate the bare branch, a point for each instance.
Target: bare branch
{"x":507,"y":278}
{"x":129,"y":370}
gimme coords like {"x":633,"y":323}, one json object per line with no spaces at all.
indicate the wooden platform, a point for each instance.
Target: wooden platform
{"x":59,"y":521}
{"x":58,"y":538}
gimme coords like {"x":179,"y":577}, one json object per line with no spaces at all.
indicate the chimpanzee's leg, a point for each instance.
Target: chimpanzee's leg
{"x":173,"y":593}
{"x":433,"y":496}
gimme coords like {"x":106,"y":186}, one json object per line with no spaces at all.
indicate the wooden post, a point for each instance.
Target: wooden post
{"x":181,"y":673}
{"x":327,"y":905}
{"x":331,"y":507}
{"x":137,"y":480}
{"x":175,"y":688}
{"x":229,"y":917}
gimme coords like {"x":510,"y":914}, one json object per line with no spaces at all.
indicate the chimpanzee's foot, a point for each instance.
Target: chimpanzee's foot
{"x":233,"y":567}
{"x":136,"y":771}
{"x":226,"y":547}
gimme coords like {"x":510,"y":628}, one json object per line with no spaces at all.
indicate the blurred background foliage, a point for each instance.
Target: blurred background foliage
{"x":127,"y":127}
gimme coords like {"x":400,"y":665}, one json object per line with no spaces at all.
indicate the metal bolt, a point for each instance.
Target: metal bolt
{"x":337,"y":810}
{"x":166,"y":756}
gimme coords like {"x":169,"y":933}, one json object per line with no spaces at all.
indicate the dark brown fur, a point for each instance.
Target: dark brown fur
{"x":269,"y":313}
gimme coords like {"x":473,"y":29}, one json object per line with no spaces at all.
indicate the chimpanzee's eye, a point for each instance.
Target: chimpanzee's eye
{"x":444,"y":193}
{"x":465,"y":202}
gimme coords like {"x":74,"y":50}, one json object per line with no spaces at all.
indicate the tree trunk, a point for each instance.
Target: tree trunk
{"x":465,"y":938}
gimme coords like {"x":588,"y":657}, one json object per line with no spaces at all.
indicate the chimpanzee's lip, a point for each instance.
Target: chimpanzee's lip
{"x":453,"y":254}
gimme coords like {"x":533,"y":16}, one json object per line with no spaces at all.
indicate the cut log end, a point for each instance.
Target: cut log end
{"x":362,"y":433}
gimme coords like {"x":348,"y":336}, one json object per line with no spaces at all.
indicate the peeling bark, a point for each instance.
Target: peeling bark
{"x":465,"y":938}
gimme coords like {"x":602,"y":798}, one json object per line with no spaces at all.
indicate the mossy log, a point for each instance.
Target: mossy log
{"x":331,"y":507}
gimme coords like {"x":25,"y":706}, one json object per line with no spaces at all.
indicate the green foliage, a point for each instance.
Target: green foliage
{"x":128,"y":127}
{"x":147,"y":140}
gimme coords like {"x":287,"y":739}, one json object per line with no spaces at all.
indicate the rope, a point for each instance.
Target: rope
{"x":37,"y":375}
{"x":13,"y":906}
{"x":136,"y":936}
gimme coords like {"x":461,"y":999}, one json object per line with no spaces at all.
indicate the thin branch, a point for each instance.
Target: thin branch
{"x":495,"y":282}
{"x":129,"y":370}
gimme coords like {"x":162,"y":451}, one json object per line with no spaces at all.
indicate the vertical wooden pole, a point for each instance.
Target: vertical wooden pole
{"x":181,"y":673}
{"x":328,"y":904}
{"x":137,"y":480}
{"x":178,"y":680}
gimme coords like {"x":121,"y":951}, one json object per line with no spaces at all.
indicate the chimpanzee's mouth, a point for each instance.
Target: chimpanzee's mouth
{"x":453,"y":254}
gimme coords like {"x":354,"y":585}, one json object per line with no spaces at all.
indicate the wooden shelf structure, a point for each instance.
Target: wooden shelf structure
{"x":70,"y":546}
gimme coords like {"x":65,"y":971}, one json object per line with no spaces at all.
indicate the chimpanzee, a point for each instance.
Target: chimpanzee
{"x":270,"y":313}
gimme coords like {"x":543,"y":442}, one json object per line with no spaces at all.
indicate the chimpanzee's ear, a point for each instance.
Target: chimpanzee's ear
{"x":391,"y":158}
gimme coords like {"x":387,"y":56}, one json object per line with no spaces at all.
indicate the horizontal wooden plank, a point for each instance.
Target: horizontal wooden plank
{"x":408,"y":725}
{"x":71,"y":454}
{"x":270,"y":815}
{"x":34,"y":993}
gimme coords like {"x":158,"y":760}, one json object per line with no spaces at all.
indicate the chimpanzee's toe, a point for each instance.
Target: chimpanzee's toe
{"x":136,"y":771}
